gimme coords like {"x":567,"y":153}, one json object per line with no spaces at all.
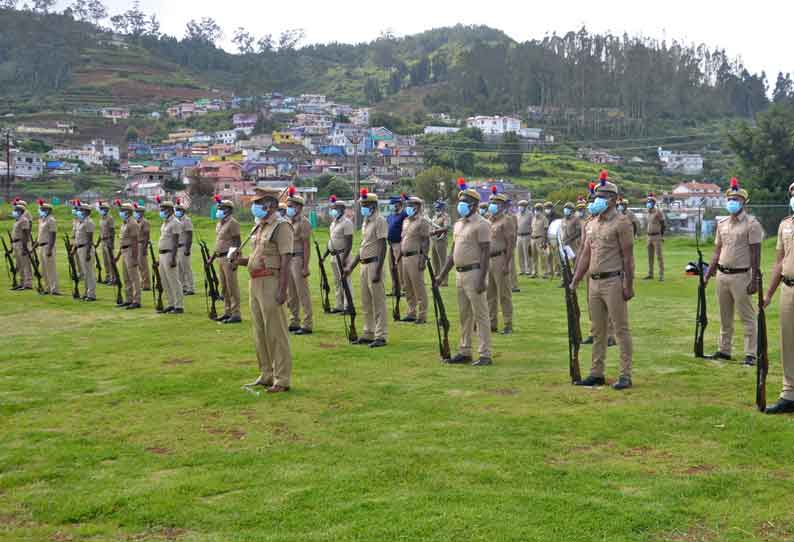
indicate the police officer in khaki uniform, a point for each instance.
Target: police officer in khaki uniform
{"x":540,"y":227}
{"x":736,"y":263}
{"x":608,"y":260}
{"x":414,"y":249}
{"x":282,"y":209}
{"x":571,"y":228}
{"x":129,"y":250}
{"x":168,"y":247}
{"x":656,"y":226}
{"x":299,"y":295}
{"x":502,"y":248}
{"x":144,"y":232}
{"x":186,"y":249}
{"x":524,"y":241}
{"x":438,"y":237}
{"x":227,"y":236}
{"x":513,"y":266}
{"x":784,"y":272}
{"x":107,"y":240}
{"x":48,"y":232}
{"x":84,"y":250}
{"x":75,"y":204}
{"x":340,"y":243}
{"x":371,"y":255}
{"x":21,"y":242}
{"x":482,"y":208}
{"x":623,"y":208}
{"x":471,"y":257}
{"x":268,"y":267}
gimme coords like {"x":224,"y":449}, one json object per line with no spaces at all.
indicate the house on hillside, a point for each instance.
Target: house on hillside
{"x":598,"y":156}
{"x":244,"y":122}
{"x":27,"y":165}
{"x":681,"y":162}
{"x":694,"y":194}
{"x":494,"y":125}
{"x":115,"y":113}
{"x":441,"y":130}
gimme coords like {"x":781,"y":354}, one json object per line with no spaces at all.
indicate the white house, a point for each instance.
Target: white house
{"x":440,"y":130}
{"x":694,"y":194}
{"x":115,"y":113}
{"x":496,"y":125}
{"x":28,"y":165}
{"x":225,"y":137}
{"x":677,"y":162}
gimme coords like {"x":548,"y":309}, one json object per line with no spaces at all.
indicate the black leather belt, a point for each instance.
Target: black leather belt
{"x":537,"y":237}
{"x":788,"y":281}
{"x":181,"y":245}
{"x":125,"y":247}
{"x":222,"y":254}
{"x":293,"y":254}
{"x":524,"y":234}
{"x":409,"y":254}
{"x":732,"y":270}
{"x":83,"y":245}
{"x":16,"y":241}
{"x":467,"y":268}
{"x":497,"y":254}
{"x":43,"y":244}
{"x":369,"y":260}
{"x":607,"y":275}
{"x":165,"y":250}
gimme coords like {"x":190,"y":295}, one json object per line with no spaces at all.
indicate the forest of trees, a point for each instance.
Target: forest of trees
{"x":577,"y":77}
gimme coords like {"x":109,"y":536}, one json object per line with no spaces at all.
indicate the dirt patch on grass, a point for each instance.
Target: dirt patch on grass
{"x":696,"y":533}
{"x":699,"y":469}
{"x":61,"y":537}
{"x":777,"y":530}
{"x":504,"y":391}
{"x":178,"y":361}
{"x":231,"y":434}
{"x":283,"y":433}
{"x":166,"y":533}
{"x":159,"y":450}
{"x":327,"y":346}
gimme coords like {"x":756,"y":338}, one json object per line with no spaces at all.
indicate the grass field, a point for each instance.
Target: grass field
{"x":132,"y":426}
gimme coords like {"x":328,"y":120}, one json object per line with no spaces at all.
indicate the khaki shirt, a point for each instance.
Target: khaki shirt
{"x":144,"y":229}
{"x":525,"y":224}
{"x":128,"y":237}
{"x":572,"y":232}
{"x":273,"y":239}
{"x":373,"y":230}
{"x":226,"y":231}
{"x":635,"y":222}
{"x":187,"y":226}
{"x":341,"y":228}
{"x":441,"y":222}
{"x":736,"y":235}
{"x":502,"y":232}
{"x":785,"y":244}
{"x":468,"y":235}
{"x":301,"y":231}
{"x":85,"y":228}
{"x":415,"y":229}
{"x":21,"y":231}
{"x":46,"y":227}
{"x":107,"y":227}
{"x":168,"y":229}
{"x":607,"y":234}
{"x":540,"y":225}
{"x":655,"y":221}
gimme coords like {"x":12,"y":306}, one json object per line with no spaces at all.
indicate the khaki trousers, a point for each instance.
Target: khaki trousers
{"x":732,"y":294}
{"x":538,"y":256}
{"x":143,"y":267}
{"x":171,"y":283}
{"x":49,"y":270}
{"x":607,"y":303}
{"x":553,"y":259}
{"x":655,"y":248}
{"x":416,"y":291}
{"x":24,"y":268}
{"x":514,"y":272}
{"x":395,"y":248}
{"x":132,"y":278}
{"x":341,"y":302}
{"x":373,"y":303}
{"x":271,"y":337}
{"x":86,"y":264}
{"x":610,"y":325}
{"x":186,"y":272}
{"x":787,"y":340}
{"x":473,"y":308}
{"x":438,"y":255}
{"x":525,"y":262}
{"x":500,"y":293}
{"x":107,"y":255}
{"x":230,"y":287}
{"x":298,"y":294}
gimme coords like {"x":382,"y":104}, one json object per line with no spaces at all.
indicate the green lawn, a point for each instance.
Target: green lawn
{"x":132,"y":426}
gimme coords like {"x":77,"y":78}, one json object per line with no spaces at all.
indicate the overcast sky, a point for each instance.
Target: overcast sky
{"x":757,"y":31}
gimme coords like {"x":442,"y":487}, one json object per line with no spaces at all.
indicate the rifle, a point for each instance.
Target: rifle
{"x":325,"y":288}
{"x":701,"y":317}
{"x":114,"y":266}
{"x":96,"y":262}
{"x":11,"y":268}
{"x":762,"y":352}
{"x":350,"y":330}
{"x":396,"y":288}
{"x":573,"y":312}
{"x":442,"y":322}
{"x":73,"y":275}
{"x":33,"y":257}
{"x":157,"y":282}
{"x":210,"y":280}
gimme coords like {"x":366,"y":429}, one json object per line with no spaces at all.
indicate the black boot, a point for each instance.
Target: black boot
{"x":592,"y":381}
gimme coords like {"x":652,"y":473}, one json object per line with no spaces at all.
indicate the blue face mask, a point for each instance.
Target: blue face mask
{"x":482,"y":211}
{"x":580,"y":213}
{"x":493,"y":208}
{"x":734,"y":206}
{"x":291,"y":212}
{"x":567,"y":212}
{"x":334,"y":213}
{"x":163,"y":215}
{"x":366,"y":211}
{"x":621,"y":208}
{"x":523,"y":210}
{"x":180,"y":214}
{"x":82,"y":215}
{"x":649,"y":205}
{"x":16,"y":214}
{"x":463,"y":208}
{"x":598,"y":206}
{"x":258,"y":211}
{"x":410,"y":211}
{"x":220,"y":214}
{"x":43,"y":214}
{"x":123,"y":215}
{"x":138,"y":216}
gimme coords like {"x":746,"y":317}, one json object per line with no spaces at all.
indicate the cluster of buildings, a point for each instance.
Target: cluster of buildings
{"x":681,"y":162}
{"x":491,"y":126}
{"x":61,"y":161}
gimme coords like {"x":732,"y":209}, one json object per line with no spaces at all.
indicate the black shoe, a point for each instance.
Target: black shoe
{"x":44,"y":293}
{"x":611,"y":342}
{"x":482,"y":362}
{"x":56,"y":294}
{"x":293,"y":329}
{"x":661,"y":279}
{"x":458,"y":359}
{"x":362,"y":340}
{"x":783,"y":406}
{"x":592,"y":381}
{"x":133,"y":306}
{"x":222,"y":319}
{"x":516,"y":290}
{"x":168,"y":310}
{"x":507,"y":331}
{"x":335,"y":311}
{"x":623,"y":383}
{"x":647,"y":277}
{"x":178,"y":311}
{"x":588,"y":340}
{"x":232,"y":320}
{"x":420,"y":322}
{"x":123,"y":305}
{"x":303,"y":331}
{"x":749,"y":361}
{"x":377,"y":343}
{"x":409,"y":319}
{"x":89,"y":299}
{"x":720,"y":355}
{"x":147,"y":289}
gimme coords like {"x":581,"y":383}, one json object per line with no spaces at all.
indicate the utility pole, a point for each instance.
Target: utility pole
{"x":8,"y":167}
{"x":355,"y":139}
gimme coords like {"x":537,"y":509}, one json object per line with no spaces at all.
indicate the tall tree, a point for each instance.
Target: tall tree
{"x":243,"y":40}
{"x":372,"y":91}
{"x":97,"y":11}
{"x":510,"y":153}
{"x":43,"y":6}
{"x":204,"y":31}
